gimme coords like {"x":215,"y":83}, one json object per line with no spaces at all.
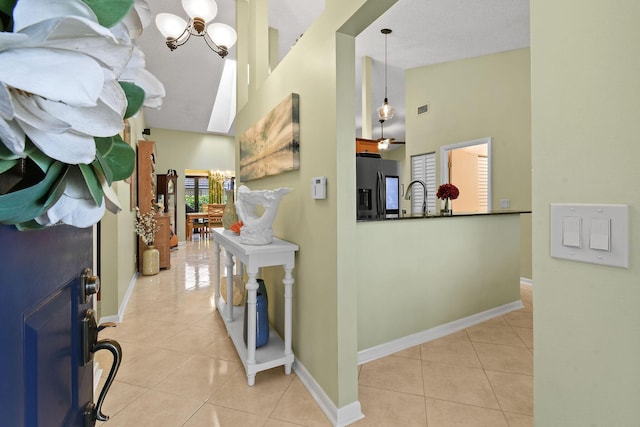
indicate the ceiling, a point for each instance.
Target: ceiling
{"x":425,"y":32}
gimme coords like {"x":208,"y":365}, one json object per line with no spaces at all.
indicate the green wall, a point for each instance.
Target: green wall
{"x":585,"y":77}
{"x":416,"y":274}
{"x":321,"y":69}
{"x":118,"y":243}
{"x":187,"y":150}
{"x":486,"y":96}
{"x":174,"y":150}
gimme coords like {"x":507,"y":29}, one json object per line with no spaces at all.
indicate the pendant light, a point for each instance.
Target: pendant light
{"x":385,"y":112}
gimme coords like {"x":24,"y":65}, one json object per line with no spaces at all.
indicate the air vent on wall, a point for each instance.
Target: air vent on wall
{"x":423,"y":109}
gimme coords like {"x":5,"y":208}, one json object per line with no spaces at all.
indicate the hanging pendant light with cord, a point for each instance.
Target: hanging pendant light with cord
{"x":385,"y":112}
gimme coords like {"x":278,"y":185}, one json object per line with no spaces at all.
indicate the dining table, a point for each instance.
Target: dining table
{"x":192,"y":217}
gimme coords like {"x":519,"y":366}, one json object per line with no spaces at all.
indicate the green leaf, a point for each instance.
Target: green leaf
{"x":135,"y":98}
{"x":110,"y":12}
{"x":29,"y":203}
{"x":6,"y":6}
{"x":6,"y":154}
{"x":120,"y":159}
{"x":39,"y":158}
{"x":92,"y":182}
{"x":100,"y":164}
{"x":5,"y":165}
{"x":57,"y":189}
{"x":29,"y":225}
{"x":103,"y":144}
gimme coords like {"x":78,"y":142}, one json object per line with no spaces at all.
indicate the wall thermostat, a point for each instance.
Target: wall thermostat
{"x":319,"y":187}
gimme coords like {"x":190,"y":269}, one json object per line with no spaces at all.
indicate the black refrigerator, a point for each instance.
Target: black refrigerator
{"x":377,"y":187}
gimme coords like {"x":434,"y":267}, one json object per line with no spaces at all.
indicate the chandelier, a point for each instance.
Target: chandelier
{"x":385,"y":112}
{"x":219,"y":37}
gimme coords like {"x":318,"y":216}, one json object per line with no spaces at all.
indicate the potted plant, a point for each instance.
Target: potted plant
{"x":146,"y":227}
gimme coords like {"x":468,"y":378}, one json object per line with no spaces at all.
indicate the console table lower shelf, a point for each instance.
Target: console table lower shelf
{"x":268,"y":356}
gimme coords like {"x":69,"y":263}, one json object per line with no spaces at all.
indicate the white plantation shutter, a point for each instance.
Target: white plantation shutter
{"x":423,"y":166}
{"x":483,"y":183}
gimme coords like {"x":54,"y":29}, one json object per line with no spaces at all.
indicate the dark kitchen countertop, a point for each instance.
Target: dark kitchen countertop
{"x":432,"y":216}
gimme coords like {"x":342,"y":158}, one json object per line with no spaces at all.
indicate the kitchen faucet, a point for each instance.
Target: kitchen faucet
{"x":407,"y":194}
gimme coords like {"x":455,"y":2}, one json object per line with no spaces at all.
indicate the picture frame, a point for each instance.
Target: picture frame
{"x":272,"y":145}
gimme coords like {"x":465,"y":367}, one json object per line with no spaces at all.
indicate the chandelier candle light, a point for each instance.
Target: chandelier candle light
{"x":219,"y":37}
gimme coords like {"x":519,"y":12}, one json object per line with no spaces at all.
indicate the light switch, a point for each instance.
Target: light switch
{"x":572,"y":231}
{"x":600,"y":237}
{"x":592,"y":233}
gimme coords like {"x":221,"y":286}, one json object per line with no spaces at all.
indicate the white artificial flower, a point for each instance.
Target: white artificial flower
{"x":76,"y":206}
{"x":138,"y":18}
{"x":136,"y":73}
{"x":58,"y":78}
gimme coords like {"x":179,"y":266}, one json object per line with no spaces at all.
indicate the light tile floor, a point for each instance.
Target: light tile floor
{"x":180,"y":368}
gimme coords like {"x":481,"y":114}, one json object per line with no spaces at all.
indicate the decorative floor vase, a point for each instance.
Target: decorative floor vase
{"x":150,"y":261}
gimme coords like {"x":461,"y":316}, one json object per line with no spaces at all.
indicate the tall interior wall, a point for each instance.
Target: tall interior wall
{"x":585,"y":107}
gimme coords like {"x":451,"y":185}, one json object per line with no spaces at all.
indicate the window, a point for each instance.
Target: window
{"x":423,"y":167}
{"x":196,"y":192}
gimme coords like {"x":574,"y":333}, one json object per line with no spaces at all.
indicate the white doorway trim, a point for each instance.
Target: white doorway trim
{"x":444,"y":163}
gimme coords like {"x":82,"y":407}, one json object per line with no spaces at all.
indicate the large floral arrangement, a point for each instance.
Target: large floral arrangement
{"x":448,"y":191}
{"x":70,"y":72}
{"x":147,"y":226}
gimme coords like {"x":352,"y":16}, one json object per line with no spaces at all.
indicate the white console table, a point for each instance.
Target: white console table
{"x":276,"y":352}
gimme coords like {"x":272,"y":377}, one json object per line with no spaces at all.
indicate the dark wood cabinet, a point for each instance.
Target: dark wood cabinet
{"x":167,"y":188}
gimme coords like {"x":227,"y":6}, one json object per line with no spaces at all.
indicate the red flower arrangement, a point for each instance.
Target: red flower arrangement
{"x":448,"y":191}
{"x":236,"y":227}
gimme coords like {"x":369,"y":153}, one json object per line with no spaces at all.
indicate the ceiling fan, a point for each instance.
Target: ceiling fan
{"x":383,"y":143}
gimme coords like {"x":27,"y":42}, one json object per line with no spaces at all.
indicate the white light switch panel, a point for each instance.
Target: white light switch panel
{"x":597,"y":234}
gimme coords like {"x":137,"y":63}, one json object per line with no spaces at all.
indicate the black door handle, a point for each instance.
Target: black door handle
{"x":91,"y":345}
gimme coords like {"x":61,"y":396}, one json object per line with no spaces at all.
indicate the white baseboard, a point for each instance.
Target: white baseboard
{"x":338,"y":417}
{"x":440,"y":331}
{"x":526,"y":281}
{"x":123,"y":305}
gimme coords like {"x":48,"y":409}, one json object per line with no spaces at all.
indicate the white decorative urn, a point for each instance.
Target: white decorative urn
{"x":257,"y":228}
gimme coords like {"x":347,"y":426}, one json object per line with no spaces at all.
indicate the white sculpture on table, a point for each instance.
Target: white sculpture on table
{"x":257,"y":229}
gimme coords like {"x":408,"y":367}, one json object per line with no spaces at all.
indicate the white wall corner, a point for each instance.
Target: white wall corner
{"x":338,"y":417}
{"x":123,"y":306}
